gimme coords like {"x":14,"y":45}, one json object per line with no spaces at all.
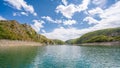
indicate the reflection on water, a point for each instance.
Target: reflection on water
{"x":17,"y":57}
{"x":60,"y":57}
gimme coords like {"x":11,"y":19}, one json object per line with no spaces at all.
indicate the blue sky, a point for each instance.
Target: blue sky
{"x":63,"y":19}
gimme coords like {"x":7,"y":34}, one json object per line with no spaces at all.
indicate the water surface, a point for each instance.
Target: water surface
{"x":63,"y":56}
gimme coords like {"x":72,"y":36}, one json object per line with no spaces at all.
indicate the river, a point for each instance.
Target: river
{"x":60,"y":56}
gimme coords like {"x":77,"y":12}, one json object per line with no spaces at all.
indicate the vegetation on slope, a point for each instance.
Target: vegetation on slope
{"x":58,"y":42}
{"x":71,"y":41}
{"x":105,"y":35}
{"x":14,"y":31}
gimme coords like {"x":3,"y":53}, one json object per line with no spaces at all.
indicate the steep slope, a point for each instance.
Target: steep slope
{"x":105,"y":35}
{"x":12,"y":30}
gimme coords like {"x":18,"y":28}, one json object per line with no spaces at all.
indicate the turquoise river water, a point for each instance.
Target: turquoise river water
{"x":60,"y":56}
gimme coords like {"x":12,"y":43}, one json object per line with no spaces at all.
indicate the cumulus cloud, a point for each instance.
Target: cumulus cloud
{"x":90,"y":20}
{"x":64,"y":2}
{"x":113,"y":11}
{"x":2,"y":18}
{"x":67,"y":33}
{"x":110,"y":15}
{"x":62,"y":33}
{"x":69,"y":22}
{"x":84,"y":5}
{"x":109,"y":19}
{"x":21,"y":5}
{"x":64,"y":22}
{"x":38,"y":24}
{"x":48,"y":18}
{"x":100,"y":3}
{"x":66,"y":11}
{"x":69,"y":10}
{"x":94,"y":11}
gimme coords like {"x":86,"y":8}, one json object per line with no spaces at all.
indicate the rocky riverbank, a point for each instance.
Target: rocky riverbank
{"x":103,"y":43}
{"x":18,"y":43}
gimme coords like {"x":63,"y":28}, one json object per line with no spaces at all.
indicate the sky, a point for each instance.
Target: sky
{"x":63,"y":19}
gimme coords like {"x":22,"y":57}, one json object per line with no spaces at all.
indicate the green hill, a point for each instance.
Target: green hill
{"x":58,"y":42}
{"x":105,"y":35}
{"x":71,"y":41}
{"x":12,"y":30}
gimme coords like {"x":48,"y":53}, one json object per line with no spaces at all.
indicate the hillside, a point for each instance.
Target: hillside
{"x":12,"y":30}
{"x":71,"y":41}
{"x":58,"y":42}
{"x":105,"y":35}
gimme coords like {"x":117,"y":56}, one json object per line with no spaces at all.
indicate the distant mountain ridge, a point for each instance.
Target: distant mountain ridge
{"x":12,"y":30}
{"x":104,"y":35}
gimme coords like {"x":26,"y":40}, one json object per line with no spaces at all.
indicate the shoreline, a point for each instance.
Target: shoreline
{"x":19,"y":43}
{"x":4,"y":42}
{"x":117,"y":43}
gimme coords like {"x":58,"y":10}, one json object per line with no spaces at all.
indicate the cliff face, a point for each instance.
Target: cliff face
{"x":12,"y":30}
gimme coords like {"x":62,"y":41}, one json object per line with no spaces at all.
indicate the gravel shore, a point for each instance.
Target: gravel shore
{"x":18,"y":43}
{"x":104,"y":43}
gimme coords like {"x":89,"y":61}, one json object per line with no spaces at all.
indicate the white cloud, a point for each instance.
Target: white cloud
{"x":66,"y":11}
{"x":84,"y":5}
{"x":21,"y":5}
{"x":72,"y":33}
{"x":65,"y":22}
{"x":62,"y":33}
{"x":16,"y":14}
{"x":111,"y":15}
{"x":24,"y":13}
{"x":58,"y":21}
{"x":108,"y":16}
{"x":113,"y":11}
{"x":64,"y":2}
{"x":2,"y":18}
{"x":109,"y":19}
{"x":20,"y":13}
{"x":69,"y":10}
{"x":100,"y":3}
{"x":48,"y":18}
{"x":43,"y":31}
{"x":69,"y":22}
{"x":91,"y":20}
{"x":38,"y":24}
{"x":95,"y":11}
{"x":35,"y":14}
{"x":67,"y":33}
